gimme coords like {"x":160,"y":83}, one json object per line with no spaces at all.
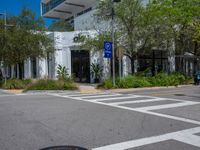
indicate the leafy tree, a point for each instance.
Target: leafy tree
{"x":176,"y":21}
{"x":25,"y":39}
{"x":94,"y":42}
{"x":175,"y":17}
{"x":60,"y":26}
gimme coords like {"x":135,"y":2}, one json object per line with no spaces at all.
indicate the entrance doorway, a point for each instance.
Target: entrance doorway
{"x":80,"y":65}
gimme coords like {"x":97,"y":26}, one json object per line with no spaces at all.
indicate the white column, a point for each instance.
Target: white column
{"x":42,"y":68}
{"x":66,"y":57}
{"x":126,"y":65}
{"x":27,"y":69}
{"x":106,"y":68}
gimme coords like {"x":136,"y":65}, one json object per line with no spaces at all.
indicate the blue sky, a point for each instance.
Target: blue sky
{"x":14,"y":7}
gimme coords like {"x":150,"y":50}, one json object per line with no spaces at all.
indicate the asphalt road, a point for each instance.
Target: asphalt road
{"x":142,"y":120}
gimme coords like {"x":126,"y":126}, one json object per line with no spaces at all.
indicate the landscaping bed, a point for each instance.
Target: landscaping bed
{"x":43,"y":84}
{"x":138,"y":81}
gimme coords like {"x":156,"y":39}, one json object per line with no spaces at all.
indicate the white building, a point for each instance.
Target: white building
{"x":67,"y":52}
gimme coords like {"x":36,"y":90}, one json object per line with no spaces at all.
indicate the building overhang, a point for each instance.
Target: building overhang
{"x":66,"y":8}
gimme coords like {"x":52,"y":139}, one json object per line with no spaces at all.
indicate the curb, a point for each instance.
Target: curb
{"x":148,"y":89}
{"x":12,"y":91}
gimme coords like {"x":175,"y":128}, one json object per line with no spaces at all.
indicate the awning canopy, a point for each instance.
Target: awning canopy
{"x":64,"y":9}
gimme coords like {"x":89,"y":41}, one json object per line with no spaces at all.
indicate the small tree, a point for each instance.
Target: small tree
{"x":96,"y":72}
{"x":62,"y":73}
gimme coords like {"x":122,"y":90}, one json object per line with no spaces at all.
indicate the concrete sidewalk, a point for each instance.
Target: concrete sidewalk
{"x":89,"y":89}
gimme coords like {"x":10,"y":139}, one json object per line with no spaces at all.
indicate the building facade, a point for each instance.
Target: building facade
{"x":78,"y":61}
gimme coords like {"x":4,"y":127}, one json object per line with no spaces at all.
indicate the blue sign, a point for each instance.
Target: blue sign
{"x":107,"y":49}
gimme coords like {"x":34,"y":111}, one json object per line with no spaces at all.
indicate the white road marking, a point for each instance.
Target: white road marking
{"x":189,"y":139}
{"x":97,"y":96}
{"x":185,"y":136}
{"x":138,"y":101}
{"x":115,"y":98}
{"x":136,"y":110}
{"x":186,"y":103}
{"x":79,"y":94}
{"x":169,"y":116}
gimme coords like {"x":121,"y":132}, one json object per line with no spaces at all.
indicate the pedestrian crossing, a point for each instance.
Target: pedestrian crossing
{"x":149,"y":103}
{"x":146,"y":105}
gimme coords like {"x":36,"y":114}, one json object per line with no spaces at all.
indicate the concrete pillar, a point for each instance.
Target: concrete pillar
{"x":126,"y":63}
{"x":12,"y":71}
{"x":27,"y":69}
{"x":66,"y":57}
{"x":42,"y":68}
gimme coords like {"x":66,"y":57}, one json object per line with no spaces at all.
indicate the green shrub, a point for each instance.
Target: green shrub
{"x":15,"y":84}
{"x":132,"y":82}
{"x":107,"y":84}
{"x":163,"y":79}
{"x":136,"y":81}
{"x":52,"y":85}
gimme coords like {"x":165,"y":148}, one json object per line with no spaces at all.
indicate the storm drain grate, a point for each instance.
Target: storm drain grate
{"x":64,"y":148}
{"x":179,"y":94}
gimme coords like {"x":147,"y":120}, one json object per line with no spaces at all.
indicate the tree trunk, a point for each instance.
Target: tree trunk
{"x":17,"y":66}
{"x":132,"y":64}
{"x":153,"y":63}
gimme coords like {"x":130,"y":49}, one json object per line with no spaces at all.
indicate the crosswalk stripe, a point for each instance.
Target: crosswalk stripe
{"x":186,"y":103}
{"x":137,"y":101}
{"x":79,"y":94}
{"x":179,"y":136}
{"x":139,"y":110}
{"x":188,"y":139}
{"x":97,"y":96}
{"x":114,"y":98}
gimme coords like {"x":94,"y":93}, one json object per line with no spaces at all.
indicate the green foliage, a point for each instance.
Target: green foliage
{"x":24,"y":39}
{"x":52,"y":85}
{"x":96,"y":71}
{"x":175,"y":20}
{"x":161,"y":25}
{"x":163,"y":79}
{"x":132,"y":82}
{"x":94,"y":42}
{"x":60,"y":26}
{"x":38,"y":84}
{"x":62,"y":73}
{"x":107,"y":84}
{"x":160,"y":79}
{"x":15,"y":84}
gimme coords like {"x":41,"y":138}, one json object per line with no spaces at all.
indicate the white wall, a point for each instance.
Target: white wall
{"x":27,"y":69}
{"x":85,"y":21}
